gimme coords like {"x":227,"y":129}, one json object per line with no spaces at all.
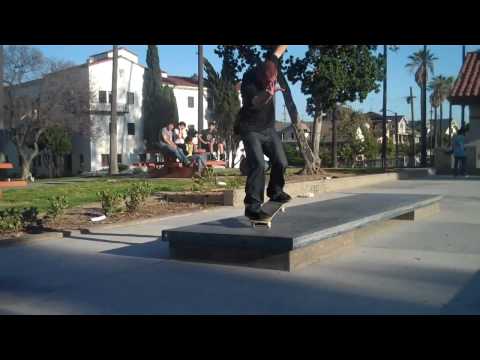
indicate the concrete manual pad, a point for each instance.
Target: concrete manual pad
{"x":299,"y":226}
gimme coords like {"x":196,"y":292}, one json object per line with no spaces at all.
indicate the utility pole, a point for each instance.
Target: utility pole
{"x":334,"y":137}
{"x":423,"y":159}
{"x":450,"y":125}
{"x":114,"y":116}
{"x":410,"y":100}
{"x":463,"y":106}
{"x":384,"y":123}
{"x":200,"y":87}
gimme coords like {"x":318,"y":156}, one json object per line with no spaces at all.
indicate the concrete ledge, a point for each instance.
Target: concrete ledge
{"x":303,"y":235}
{"x":316,"y":187}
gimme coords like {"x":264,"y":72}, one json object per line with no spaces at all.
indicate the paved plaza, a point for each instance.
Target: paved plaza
{"x":429,"y":266}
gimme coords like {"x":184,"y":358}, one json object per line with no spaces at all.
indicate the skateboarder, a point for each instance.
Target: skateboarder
{"x":256,"y":126}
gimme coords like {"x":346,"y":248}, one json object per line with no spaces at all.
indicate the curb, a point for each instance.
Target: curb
{"x":87,"y":230}
{"x":31,"y":238}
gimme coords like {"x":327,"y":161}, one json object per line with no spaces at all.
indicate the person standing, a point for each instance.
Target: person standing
{"x":256,"y":127}
{"x":459,"y":155}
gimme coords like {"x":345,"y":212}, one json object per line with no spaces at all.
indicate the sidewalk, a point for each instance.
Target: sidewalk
{"x":424,"y":267}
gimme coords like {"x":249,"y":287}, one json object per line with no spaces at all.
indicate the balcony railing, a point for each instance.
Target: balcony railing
{"x":107,"y":108}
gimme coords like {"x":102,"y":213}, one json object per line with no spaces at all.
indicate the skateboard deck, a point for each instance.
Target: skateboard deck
{"x":272,"y":208}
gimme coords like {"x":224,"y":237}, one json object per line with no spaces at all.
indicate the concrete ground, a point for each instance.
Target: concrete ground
{"x":429,"y":266}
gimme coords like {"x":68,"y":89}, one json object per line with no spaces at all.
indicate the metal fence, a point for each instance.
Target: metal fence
{"x":400,"y":162}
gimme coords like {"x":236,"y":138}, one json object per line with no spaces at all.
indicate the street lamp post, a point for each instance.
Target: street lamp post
{"x":200,"y":87}
{"x":410,"y":100}
{"x":424,"y":111}
{"x":384,"y":122}
{"x":463,"y":106}
{"x":396,"y":133}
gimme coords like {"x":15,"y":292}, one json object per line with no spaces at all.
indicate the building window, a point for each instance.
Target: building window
{"x":109,"y":97}
{"x":105,"y":160}
{"x":130,"y":98}
{"x":142,"y":157}
{"x":119,"y":158}
{"x":210,"y":103}
{"x":131,"y":128}
{"x":102,"y":97}
{"x":191,"y":102}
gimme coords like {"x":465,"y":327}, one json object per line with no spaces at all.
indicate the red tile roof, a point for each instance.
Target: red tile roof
{"x":180,"y":81}
{"x":467,"y":87}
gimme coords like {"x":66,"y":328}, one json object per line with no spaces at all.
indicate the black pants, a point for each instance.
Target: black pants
{"x":459,"y":165}
{"x":256,"y":145}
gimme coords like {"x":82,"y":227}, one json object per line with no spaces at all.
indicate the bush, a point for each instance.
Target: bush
{"x":136,"y":195}
{"x":56,"y":206}
{"x":294,"y":157}
{"x":11,"y":220}
{"x":110,"y":201}
{"x":139,"y":171}
{"x":16,"y":219}
{"x":122,"y":167}
{"x":30,"y":217}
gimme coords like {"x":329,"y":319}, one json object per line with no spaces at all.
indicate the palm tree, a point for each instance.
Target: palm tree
{"x":441,"y":87}
{"x":422,"y":62}
{"x":434,"y":103}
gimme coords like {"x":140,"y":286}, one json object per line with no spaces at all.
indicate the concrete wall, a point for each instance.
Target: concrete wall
{"x":316,"y":187}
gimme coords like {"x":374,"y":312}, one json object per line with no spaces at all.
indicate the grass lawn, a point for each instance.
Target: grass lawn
{"x":79,"y":193}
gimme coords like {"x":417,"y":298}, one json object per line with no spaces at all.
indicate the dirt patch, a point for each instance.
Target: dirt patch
{"x":80,"y":217}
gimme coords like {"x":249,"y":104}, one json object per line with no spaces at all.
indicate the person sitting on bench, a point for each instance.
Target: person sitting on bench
{"x":197,"y":159}
{"x":206,"y":139}
{"x":169,"y":147}
{"x":180,"y":134}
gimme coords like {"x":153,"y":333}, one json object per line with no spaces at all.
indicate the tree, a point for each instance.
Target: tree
{"x":349,"y":126}
{"x":53,"y":145}
{"x":335,"y":74}
{"x":422,"y":62}
{"x":441,"y":87}
{"x":226,"y":103}
{"x":37,"y":98}
{"x":370,"y":144}
{"x":385,"y":106}
{"x":159,"y":104}
{"x":113,"y":166}
{"x":353,"y":127}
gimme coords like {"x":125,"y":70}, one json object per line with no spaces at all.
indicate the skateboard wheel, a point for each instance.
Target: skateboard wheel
{"x":283,"y":210}
{"x":269,"y":225}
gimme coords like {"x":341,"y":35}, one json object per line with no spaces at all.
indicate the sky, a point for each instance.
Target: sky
{"x":182,"y":60}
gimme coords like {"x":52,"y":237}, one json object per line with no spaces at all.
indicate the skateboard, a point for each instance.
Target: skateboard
{"x":272,"y":208}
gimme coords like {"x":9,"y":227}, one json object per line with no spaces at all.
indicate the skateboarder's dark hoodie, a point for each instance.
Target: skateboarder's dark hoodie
{"x":257,"y":130}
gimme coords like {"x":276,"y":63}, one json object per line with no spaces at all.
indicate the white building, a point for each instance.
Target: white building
{"x":90,"y":154}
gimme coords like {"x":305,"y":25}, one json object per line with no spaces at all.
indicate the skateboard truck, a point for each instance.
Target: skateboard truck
{"x":272,"y":208}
